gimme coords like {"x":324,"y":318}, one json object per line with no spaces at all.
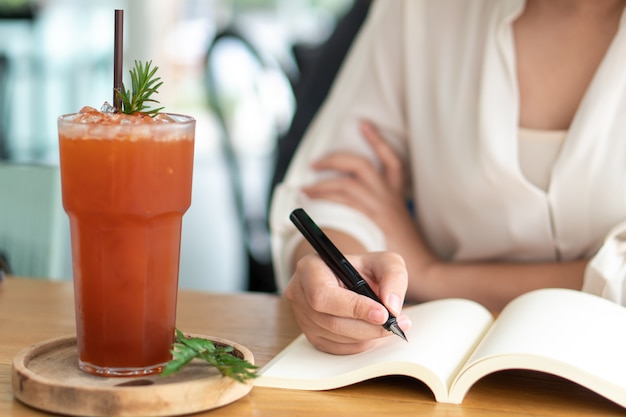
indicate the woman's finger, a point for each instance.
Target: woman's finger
{"x":354,"y":166}
{"x":391,"y":163}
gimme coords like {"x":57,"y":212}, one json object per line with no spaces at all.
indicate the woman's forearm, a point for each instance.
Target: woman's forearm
{"x":492,"y":284}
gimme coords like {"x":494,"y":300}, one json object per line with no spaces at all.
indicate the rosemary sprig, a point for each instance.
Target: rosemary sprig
{"x":221,"y":357}
{"x":143,"y":85}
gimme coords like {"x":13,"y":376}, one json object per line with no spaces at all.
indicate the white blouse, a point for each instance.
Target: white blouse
{"x":438,"y":78}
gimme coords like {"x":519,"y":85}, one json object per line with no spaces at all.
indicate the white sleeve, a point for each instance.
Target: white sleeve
{"x":328,"y":215}
{"x":368,"y":86}
{"x":605,"y":274}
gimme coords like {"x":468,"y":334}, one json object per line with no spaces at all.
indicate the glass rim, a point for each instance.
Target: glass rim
{"x":180,"y":119}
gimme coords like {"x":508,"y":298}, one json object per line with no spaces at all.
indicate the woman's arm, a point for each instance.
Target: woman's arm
{"x":379,"y":195}
{"x":492,"y":284}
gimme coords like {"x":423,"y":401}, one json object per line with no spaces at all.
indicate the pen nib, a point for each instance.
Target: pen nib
{"x":395,"y":329}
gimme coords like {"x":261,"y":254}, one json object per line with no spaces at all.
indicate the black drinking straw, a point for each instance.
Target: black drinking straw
{"x":118,"y":51}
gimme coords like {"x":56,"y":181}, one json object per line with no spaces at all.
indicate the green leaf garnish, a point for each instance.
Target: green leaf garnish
{"x":221,"y":357}
{"x":143,"y":85}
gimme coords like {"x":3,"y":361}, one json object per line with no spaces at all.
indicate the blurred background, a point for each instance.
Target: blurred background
{"x":232,"y":64}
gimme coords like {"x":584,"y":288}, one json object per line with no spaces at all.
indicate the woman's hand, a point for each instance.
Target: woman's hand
{"x":377,"y":194}
{"x":338,"y":320}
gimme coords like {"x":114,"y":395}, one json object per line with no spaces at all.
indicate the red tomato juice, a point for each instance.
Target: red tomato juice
{"x":125,"y":191}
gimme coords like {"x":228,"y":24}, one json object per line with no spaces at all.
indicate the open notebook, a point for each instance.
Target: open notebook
{"x":455,"y":342}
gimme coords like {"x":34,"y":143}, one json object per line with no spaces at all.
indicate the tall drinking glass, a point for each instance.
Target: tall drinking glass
{"x":126,"y":183}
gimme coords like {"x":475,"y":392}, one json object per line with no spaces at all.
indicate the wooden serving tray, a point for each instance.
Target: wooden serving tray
{"x":46,"y":376}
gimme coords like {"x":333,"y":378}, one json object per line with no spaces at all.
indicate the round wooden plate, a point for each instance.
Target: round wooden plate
{"x":46,"y":376}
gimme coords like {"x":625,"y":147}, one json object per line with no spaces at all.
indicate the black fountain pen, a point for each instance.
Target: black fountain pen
{"x":339,"y":264}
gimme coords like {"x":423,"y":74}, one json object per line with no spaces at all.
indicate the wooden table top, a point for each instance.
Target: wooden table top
{"x":32,"y":311}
